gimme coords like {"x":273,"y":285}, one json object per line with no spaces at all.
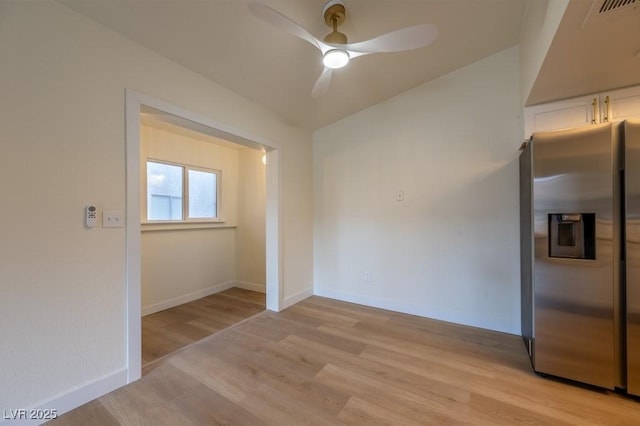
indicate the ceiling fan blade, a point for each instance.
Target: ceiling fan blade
{"x":277,"y":19}
{"x":396,"y":41}
{"x":322,"y":85}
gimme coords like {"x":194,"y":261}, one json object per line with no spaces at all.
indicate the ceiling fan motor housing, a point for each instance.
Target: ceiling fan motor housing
{"x":336,"y":37}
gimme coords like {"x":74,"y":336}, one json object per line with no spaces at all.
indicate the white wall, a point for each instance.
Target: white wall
{"x":450,"y":250}
{"x":541,"y":21}
{"x":250,"y":234}
{"x":296,"y":214}
{"x":180,"y":265}
{"x":62,"y":83}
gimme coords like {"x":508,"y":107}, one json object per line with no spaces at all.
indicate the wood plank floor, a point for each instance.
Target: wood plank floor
{"x":324,"y":362}
{"x":170,"y":330}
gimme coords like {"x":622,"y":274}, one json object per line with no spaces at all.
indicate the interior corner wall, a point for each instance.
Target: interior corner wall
{"x":450,"y":249}
{"x":250,"y":234}
{"x":296,"y":214}
{"x":63,"y":306}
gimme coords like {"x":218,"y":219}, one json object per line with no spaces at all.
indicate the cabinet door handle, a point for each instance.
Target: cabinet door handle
{"x":606,"y":109}
{"x":594,"y":104}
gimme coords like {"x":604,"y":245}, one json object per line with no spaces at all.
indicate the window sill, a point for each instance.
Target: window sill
{"x":179,"y":226}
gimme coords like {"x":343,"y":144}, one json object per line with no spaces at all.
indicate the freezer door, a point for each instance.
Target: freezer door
{"x":632,"y":189}
{"x":574,"y":323}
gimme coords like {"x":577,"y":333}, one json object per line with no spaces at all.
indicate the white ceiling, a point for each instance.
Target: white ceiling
{"x":223,"y":41}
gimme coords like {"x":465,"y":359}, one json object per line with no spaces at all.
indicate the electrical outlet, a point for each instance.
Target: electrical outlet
{"x":400,"y":196}
{"x":367,"y":276}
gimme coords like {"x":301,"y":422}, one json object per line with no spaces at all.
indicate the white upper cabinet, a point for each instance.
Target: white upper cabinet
{"x":566,"y":114}
{"x":619,"y":105}
{"x":611,"y":106}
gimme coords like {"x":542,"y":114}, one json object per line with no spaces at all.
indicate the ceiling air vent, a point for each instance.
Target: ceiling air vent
{"x":611,"y":5}
{"x":609,"y":10}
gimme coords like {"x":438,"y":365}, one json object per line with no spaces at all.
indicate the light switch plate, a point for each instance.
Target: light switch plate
{"x":112,"y":219}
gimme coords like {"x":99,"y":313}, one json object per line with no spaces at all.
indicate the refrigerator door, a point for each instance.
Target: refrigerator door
{"x":526,"y":250}
{"x":575,"y":241}
{"x":632,"y":189}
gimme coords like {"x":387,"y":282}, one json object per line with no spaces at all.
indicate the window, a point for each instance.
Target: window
{"x":178,"y":192}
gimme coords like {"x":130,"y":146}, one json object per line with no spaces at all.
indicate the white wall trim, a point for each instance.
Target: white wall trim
{"x":186,"y":298}
{"x":274,"y":246}
{"x":77,"y":397}
{"x":297,"y":297}
{"x":133,"y":244}
{"x":260,"y":288}
{"x":449,"y":315}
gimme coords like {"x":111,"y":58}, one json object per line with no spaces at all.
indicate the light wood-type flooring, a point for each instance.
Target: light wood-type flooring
{"x":170,"y":330}
{"x":328,"y":363}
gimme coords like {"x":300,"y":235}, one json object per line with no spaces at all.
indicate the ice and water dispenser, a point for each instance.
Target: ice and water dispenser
{"x":572,"y":235}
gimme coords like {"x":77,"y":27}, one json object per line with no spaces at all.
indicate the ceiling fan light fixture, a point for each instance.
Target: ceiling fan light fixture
{"x":335,"y":58}
{"x":335,"y":49}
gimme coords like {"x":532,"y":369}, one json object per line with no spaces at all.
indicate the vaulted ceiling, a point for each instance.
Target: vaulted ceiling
{"x":224,"y":42}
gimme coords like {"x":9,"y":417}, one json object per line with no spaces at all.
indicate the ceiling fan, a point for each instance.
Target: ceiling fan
{"x":335,"y":49}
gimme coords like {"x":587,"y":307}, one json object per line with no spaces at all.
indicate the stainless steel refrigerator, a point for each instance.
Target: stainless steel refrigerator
{"x":631,"y":254}
{"x":580,"y":235}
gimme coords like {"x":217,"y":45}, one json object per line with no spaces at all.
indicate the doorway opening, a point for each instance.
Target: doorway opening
{"x":140,"y":108}
{"x":203,"y":234}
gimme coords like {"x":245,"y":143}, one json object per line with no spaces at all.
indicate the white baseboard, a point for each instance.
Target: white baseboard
{"x":70,"y":400}
{"x":186,"y":298}
{"x":260,"y":288}
{"x":448,"y":315}
{"x":295,"y":298}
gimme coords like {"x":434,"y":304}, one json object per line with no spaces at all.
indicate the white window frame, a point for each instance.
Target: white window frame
{"x":185,"y":194}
